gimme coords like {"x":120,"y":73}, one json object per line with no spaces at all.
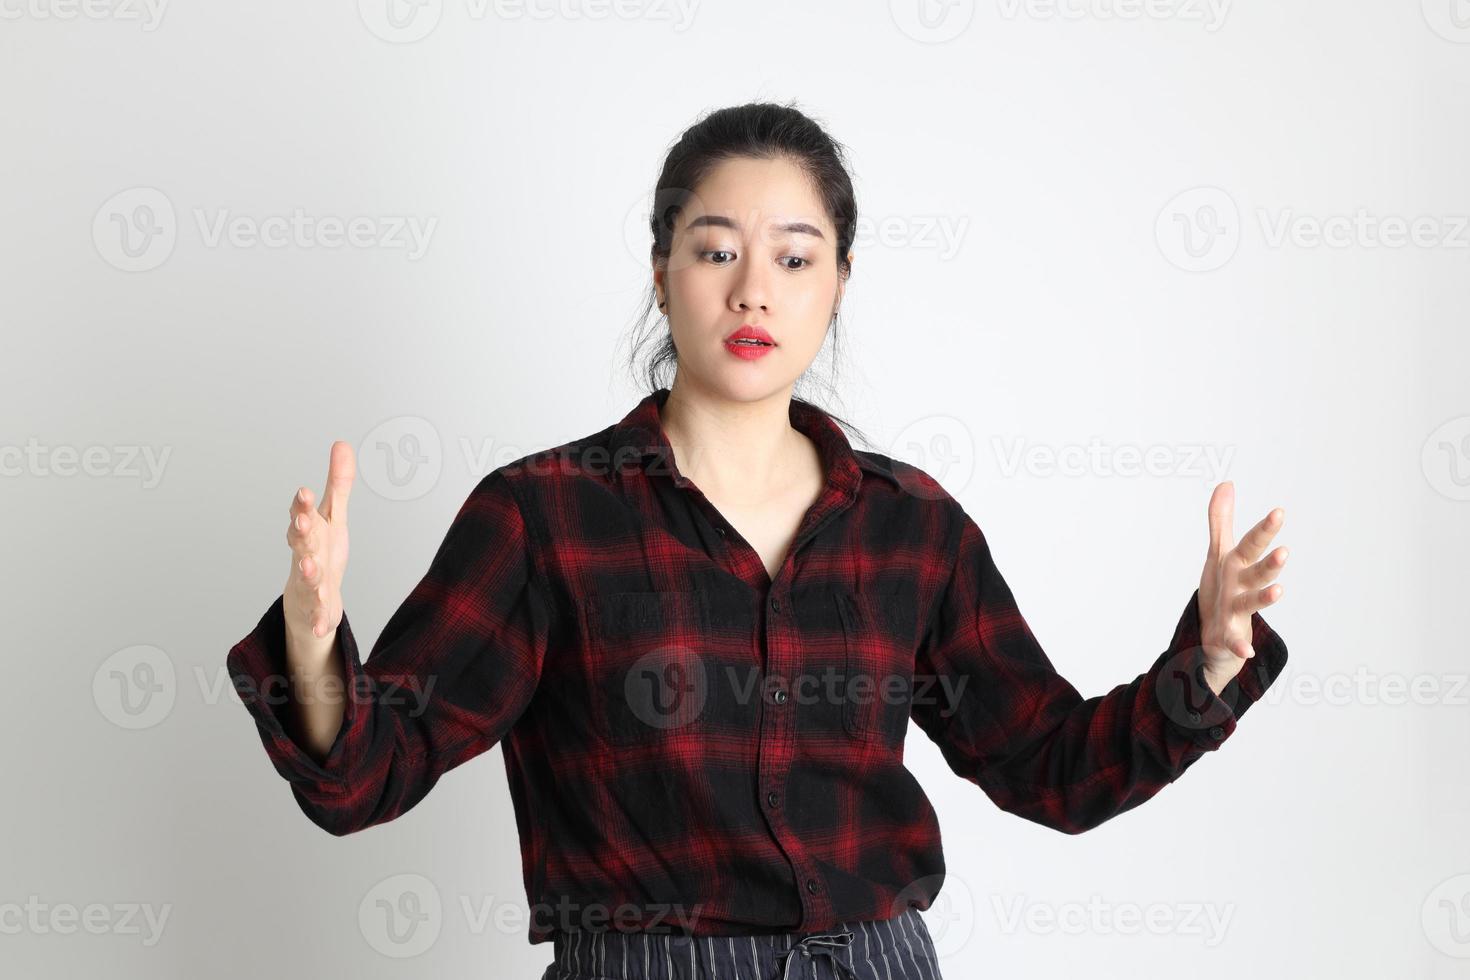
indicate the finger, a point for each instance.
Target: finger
{"x":303,"y":534}
{"x":1253,"y":543}
{"x":1222,"y":518}
{"x":1249,"y":602}
{"x":1264,"y":571}
{"x":340,"y":471}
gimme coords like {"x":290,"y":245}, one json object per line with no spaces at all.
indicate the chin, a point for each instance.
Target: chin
{"x":746,"y":382}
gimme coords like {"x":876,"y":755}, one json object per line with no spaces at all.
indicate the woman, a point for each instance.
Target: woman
{"x":700,"y":634}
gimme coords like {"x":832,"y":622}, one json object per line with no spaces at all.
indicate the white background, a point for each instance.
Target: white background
{"x":1085,"y":222}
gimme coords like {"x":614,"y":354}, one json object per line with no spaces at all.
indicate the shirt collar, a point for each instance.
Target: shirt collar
{"x":640,"y":435}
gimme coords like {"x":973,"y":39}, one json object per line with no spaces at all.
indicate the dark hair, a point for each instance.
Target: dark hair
{"x":762,"y":130}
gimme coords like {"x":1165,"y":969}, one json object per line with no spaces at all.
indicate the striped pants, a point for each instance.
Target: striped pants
{"x":896,"y":949}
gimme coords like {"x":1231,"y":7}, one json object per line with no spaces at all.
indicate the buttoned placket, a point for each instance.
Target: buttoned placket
{"x":777,"y":742}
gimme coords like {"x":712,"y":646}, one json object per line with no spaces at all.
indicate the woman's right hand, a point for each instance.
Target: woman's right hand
{"x":312,"y":598}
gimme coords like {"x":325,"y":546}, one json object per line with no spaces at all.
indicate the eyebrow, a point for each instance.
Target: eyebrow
{"x":720,"y":221}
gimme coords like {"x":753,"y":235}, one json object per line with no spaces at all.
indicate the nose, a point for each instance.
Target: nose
{"x":750,"y":291}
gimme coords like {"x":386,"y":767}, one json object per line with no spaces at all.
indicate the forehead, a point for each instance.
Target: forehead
{"x":758,"y":196}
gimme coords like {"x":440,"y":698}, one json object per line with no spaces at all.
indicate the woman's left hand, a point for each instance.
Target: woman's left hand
{"x":1235,"y":583}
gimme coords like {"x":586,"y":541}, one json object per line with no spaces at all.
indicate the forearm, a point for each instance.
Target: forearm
{"x":317,"y":684}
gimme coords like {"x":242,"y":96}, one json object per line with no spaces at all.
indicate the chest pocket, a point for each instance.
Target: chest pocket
{"x":647,"y":679}
{"x":879,"y":632}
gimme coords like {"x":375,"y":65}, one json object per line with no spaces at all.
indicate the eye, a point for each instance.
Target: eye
{"x":801,"y":261}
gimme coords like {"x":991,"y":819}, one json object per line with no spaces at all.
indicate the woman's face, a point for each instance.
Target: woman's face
{"x":753,"y":247}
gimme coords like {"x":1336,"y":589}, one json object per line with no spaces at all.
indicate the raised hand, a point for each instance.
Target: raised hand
{"x":312,"y":598}
{"x":1235,"y":583}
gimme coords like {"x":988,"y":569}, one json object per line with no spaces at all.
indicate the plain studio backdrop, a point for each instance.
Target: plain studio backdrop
{"x":1112,"y":253}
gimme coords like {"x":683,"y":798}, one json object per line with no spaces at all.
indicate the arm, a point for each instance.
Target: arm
{"x":453,"y":669}
{"x":1023,"y":734}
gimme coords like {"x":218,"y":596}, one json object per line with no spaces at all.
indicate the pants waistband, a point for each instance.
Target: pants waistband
{"x":892,"y":949}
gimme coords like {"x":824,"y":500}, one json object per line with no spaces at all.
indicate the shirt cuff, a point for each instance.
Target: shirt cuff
{"x":258,"y":670}
{"x":1193,"y":710}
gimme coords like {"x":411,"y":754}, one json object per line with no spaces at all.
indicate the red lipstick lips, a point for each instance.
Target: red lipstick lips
{"x":750,"y":342}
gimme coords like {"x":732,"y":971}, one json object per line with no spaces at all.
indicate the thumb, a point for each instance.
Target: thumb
{"x":1222,"y":518}
{"x":340,"y":472}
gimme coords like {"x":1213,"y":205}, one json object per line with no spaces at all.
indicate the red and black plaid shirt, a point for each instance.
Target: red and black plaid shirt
{"x":696,"y":746}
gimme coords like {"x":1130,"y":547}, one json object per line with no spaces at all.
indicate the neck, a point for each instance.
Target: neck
{"x":723,"y":443}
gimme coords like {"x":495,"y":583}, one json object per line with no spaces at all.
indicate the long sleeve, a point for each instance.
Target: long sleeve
{"x":1024,"y":735}
{"x":453,"y":669}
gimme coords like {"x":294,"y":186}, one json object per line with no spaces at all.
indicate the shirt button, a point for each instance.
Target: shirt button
{"x":1194,"y":716}
{"x":811,"y":885}
{"x":780,"y":697}
{"x":775,"y":604}
{"x":720,"y":531}
{"x":1217,"y":733}
{"x":771,"y":800}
